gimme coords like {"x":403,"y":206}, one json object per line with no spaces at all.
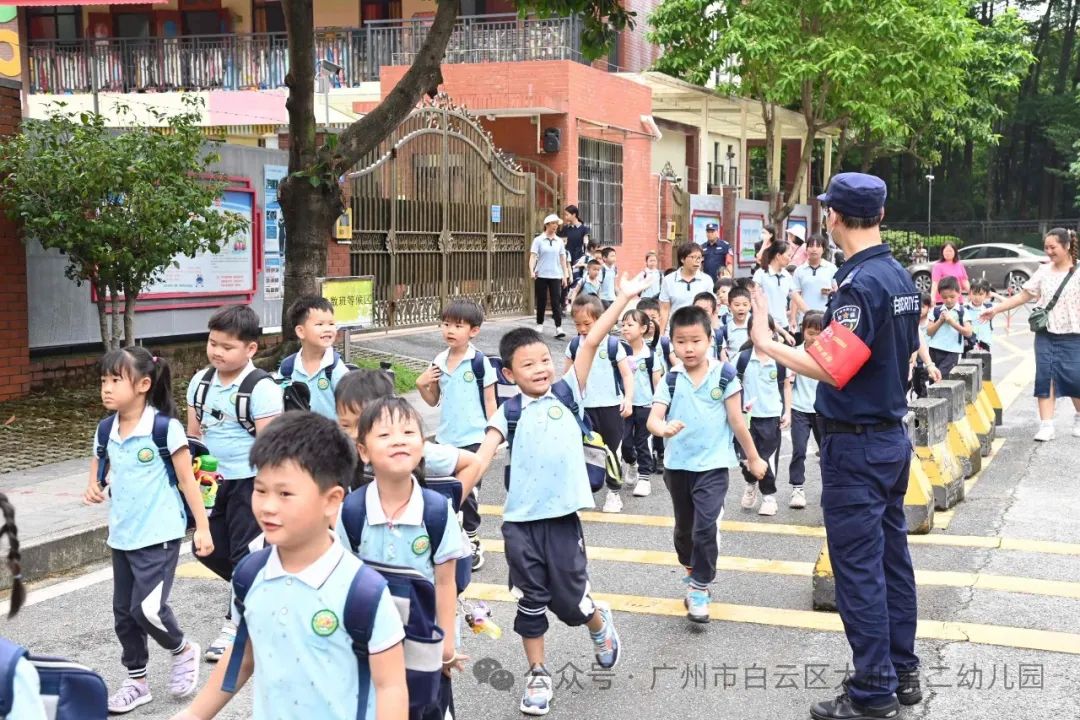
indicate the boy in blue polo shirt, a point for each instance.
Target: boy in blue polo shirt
{"x":698,"y":421}
{"x":609,"y":276}
{"x":299,"y":651}
{"x":948,"y":327}
{"x":978,"y":303}
{"x":548,"y":484}
{"x":316,"y":365}
{"x":214,"y":414}
{"x":452,"y":380}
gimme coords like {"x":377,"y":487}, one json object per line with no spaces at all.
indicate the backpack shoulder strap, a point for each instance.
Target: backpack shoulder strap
{"x":201,"y":390}
{"x":613,"y":344}
{"x":161,"y":440}
{"x":10,"y":654}
{"x":742,"y":362}
{"x":354,"y":515}
{"x":243,"y":399}
{"x":512,"y":412}
{"x":574,"y":345}
{"x":665,"y":345}
{"x":104,"y":430}
{"x":564,"y":394}
{"x":242,"y":578}
{"x":479,"y":371}
{"x":727,"y":374}
{"x":650,"y":365}
{"x":287,"y":366}
{"x":670,"y":379}
{"x":361,"y":606}
{"x":719,"y":338}
{"x":434,"y":518}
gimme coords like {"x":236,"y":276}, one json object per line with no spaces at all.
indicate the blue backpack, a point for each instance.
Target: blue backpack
{"x":69,"y":691}
{"x":612,"y":353}
{"x":664,"y":342}
{"x":504,"y":389}
{"x":424,"y":644}
{"x":781,"y":371}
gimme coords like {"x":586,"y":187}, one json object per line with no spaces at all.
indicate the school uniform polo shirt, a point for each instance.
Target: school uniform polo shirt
{"x":643,"y":382}
{"x":144,"y":509}
{"x":707,"y":442}
{"x":304,"y":661}
{"x":810,"y":281}
{"x":984,"y":330}
{"x":608,"y":273}
{"x":737,"y":335}
{"x":600,"y":389}
{"x":405,"y":542}
{"x":589,"y":287}
{"x":226,"y":438}
{"x":26,"y":693}
{"x":463,"y":420}
{"x":322,"y":383}
{"x":680,"y":292}
{"x":548,"y":478}
{"x":760,"y":387}
{"x":777,"y":287}
{"x":804,"y":393}
{"x":549,"y":256}
{"x":654,"y":277}
{"x":947,"y":338}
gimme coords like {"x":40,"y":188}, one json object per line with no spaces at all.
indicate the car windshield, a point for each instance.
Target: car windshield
{"x":1037,"y":252}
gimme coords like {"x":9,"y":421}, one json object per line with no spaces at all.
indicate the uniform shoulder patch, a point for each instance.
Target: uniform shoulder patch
{"x":848,"y":316}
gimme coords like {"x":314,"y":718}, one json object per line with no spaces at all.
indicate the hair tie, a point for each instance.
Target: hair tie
{"x":156,"y":358}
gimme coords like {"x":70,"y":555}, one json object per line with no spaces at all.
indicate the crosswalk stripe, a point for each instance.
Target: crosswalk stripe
{"x":1000,"y":635}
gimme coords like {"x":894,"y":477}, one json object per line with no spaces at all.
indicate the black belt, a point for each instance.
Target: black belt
{"x":835,"y":426}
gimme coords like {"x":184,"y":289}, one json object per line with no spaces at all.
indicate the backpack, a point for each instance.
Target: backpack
{"x":665,"y":345}
{"x":423,"y":641}
{"x":297,"y":396}
{"x":781,"y":371}
{"x":243,"y":397}
{"x":436,"y":492}
{"x":478,"y":371}
{"x":600,"y":462}
{"x":504,"y":389}
{"x":68,"y":691}
{"x":612,"y":352}
{"x":719,"y":338}
{"x":938,"y":309}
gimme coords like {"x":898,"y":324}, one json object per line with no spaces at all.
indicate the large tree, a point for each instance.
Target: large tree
{"x":311,"y":199}
{"x":840,"y":63}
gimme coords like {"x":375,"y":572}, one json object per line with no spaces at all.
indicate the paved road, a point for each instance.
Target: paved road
{"x":1014,"y":650}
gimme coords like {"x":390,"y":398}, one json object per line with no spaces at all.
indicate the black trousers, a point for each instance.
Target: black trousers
{"x":698,"y":501}
{"x":548,"y":289}
{"x":802,"y":425}
{"x":470,"y":505}
{"x":232,"y":527}
{"x":944,"y":360}
{"x":765,"y":433}
{"x":635,"y":442}
{"x":142,"y":580}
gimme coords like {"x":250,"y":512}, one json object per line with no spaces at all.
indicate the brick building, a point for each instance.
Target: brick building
{"x":14,"y":336}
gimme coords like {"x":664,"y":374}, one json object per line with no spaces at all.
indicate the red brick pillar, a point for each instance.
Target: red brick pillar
{"x":14,"y":335}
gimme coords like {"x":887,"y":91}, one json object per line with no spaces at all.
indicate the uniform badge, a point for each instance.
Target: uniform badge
{"x":555,"y":412}
{"x":323,"y":384}
{"x":421,"y":545}
{"x":469,"y":377}
{"x":848,"y":316}
{"x":324,"y":623}
{"x":716,"y":393}
{"x":603,"y":354}
{"x":145,"y":455}
{"x":772,"y":374}
{"x":232,"y":398}
{"x":641,"y":365}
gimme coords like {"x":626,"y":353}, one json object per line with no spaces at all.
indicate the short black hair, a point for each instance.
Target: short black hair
{"x":686,"y":250}
{"x":315,"y":443}
{"x":706,"y":296}
{"x":606,"y":251}
{"x":588,"y":302}
{"x":739,"y":291}
{"x":594,"y":245}
{"x":817,"y":240}
{"x":464,"y":311}
{"x":648,"y":304}
{"x":299,"y":310}
{"x":514,"y":340}
{"x":240,"y":321}
{"x":358,"y":388}
{"x":594,"y":261}
{"x":813,"y":320}
{"x":724,"y":282}
{"x":982,"y":285}
{"x":395,"y":408}
{"x":948,"y":283}
{"x":925,"y":300}
{"x":859,"y":223}
{"x":690,"y":316}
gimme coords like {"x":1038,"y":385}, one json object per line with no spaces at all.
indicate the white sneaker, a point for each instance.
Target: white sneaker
{"x":1046,"y":433}
{"x":613,"y":503}
{"x":768,"y":505}
{"x":749,"y":496}
{"x":559,"y":334}
{"x":798,"y":498}
{"x":643,"y":488}
{"x":540,"y":329}
{"x":1076,"y":425}
{"x":629,"y":474}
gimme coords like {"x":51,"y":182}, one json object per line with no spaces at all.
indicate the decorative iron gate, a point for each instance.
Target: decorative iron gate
{"x":440,"y":214}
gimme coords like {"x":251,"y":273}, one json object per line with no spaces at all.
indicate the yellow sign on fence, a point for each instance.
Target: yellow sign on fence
{"x":353,"y":299}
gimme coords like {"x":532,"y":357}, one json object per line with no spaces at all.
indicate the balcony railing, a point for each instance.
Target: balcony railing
{"x":260,"y":61}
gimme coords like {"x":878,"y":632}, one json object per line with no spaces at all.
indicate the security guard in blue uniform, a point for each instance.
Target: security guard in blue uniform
{"x":714,"y":253}
{"x":861,"y":360}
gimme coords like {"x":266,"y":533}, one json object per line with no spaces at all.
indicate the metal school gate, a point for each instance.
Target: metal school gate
{"x":439,"y":214}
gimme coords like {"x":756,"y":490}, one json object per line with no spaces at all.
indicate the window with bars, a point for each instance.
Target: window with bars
{"x":600,"y":189}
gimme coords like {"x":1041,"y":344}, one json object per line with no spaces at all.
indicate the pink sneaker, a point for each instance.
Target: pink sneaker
{"x":184,"y":678}
{"x":132,"y":694}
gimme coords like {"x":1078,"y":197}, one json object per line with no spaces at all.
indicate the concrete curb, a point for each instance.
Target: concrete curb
{"x":58,"y":554}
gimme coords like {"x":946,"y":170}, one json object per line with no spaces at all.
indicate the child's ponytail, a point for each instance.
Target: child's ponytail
{"x":160,"y":395}
{"x":14,"y":558}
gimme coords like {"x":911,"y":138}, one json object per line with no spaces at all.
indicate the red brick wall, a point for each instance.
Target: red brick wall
{"x":14,"y":334}
{"x":636,"y":53}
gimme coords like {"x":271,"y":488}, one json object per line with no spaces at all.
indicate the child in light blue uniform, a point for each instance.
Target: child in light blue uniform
{"x":737,"y":330}
{"x":609,"y":274}
{"x":775,"y":280}
{"x":548,"y":484}
{"x":233,"y":342}
{"x":316,"y":365}
{"x":26,"y":701}
{"x":699,"y":421}
{"x":804,"y":419}
{"x":978,"y":303}
{"x":147,"y":521}
{"x":605,"y":403}
{"x":649,"y":368}
{"x":451,"y":381}
{"x":948,"y":327}
{"x":299,"y":651}
{"x":391,"y":442}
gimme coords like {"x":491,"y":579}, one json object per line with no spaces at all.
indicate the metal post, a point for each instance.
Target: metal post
{"x":93,"y":74}
{"x":929,"y":202}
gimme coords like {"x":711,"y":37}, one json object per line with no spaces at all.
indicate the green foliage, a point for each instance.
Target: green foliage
{"x":119,"y":206}
{"x":904,"y":243}
{"x":602,"y":20}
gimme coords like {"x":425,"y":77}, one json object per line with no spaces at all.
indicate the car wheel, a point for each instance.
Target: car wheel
{"x":1014,"y":282}
{"x":923,"y":282}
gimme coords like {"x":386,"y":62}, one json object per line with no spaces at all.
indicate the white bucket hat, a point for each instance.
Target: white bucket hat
{"x":552,"y":219}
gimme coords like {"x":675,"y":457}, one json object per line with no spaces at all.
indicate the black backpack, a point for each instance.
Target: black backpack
{"x":243,"y":397}
{"x":297,"y":396}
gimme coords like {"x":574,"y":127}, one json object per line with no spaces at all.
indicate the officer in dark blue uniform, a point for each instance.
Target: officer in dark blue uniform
{"x":861,"y":360}
{"x":715,"y":252}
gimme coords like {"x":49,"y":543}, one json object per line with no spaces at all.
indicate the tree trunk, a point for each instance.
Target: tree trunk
{"x":768,"y":116}
{"x":101,"y":292}
{"x":130,"y":298}
{"x":312,"y":205}
{"x":114,"y":319}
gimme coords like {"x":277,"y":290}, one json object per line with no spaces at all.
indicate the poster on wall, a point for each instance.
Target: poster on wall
{"x":274,"y":223}
{"x":353,"y":299}
{"x":273,"y":278}
{"x":700,"y":220}
{"x":750,"y":227}
{"x":227,"y":272}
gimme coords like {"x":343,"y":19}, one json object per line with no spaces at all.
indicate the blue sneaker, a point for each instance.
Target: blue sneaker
{"x":537,"y":697}
{"x":697,"y":605}
{"x":607,"y":645}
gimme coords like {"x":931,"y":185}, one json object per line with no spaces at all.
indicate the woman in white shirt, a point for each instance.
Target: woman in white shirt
{"x":776,"y":281}
{"x":550,"y":272}
{"x":678,"y":289}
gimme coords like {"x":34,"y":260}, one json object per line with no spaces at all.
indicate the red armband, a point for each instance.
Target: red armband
{"x":840,"y":353}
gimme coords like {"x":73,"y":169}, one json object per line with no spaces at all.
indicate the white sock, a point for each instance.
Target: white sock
{"x":1047,"y":424}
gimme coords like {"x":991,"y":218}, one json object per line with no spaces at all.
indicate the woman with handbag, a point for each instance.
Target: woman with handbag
{"x":1056,"y":324}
